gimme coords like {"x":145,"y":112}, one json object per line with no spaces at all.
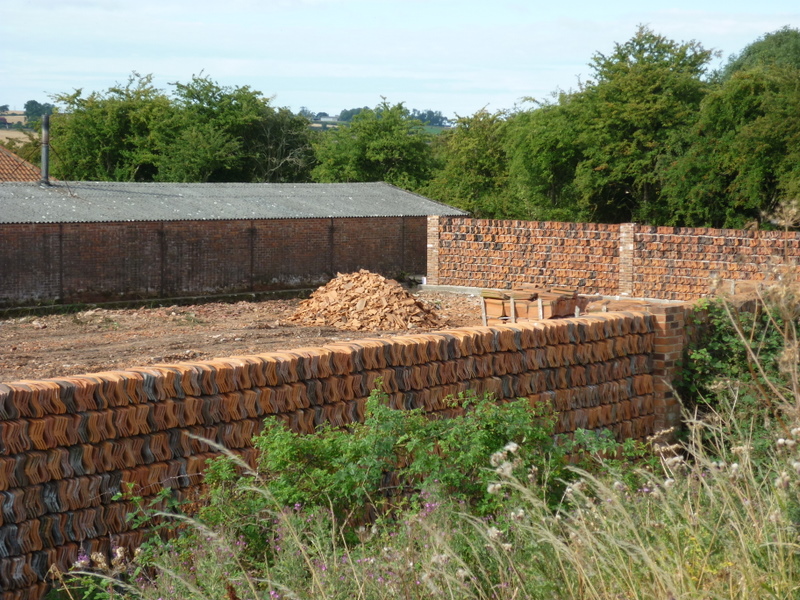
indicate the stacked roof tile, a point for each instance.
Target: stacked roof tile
{"x":68,"y":446}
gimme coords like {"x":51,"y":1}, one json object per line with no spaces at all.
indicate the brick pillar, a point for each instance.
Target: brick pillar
{"x":670,"y":321}
{"x":626,"y":250}
{"x":433,"y":250}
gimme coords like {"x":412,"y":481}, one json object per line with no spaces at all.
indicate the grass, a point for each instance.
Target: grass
{"x":707,"y":522}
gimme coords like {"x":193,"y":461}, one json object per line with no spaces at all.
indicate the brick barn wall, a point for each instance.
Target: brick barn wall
{"x":30,"y":262}
{"x":93,"y":262}
{"x":666,"y":263}
{"x":69,"y":445}
{"x":100,"y":259}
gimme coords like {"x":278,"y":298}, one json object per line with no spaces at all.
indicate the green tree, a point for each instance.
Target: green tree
{"x":233,"y":134}
{"x":3,"y":108}
{"x":644,"y":91}
{"x":204,"y":132}
{"x":383,"y":144}
{"x":544,"y":153}
{"x":348,"y":113}
{"x":110,"y":136}
{"x":305,"y":112}
{"x":34,"y":110}
{"x":780,"y":48}
{"x":474,"y":167}
{"x":595,"y":154}
{"x":434,"y":118}
{"x":742,"y":156}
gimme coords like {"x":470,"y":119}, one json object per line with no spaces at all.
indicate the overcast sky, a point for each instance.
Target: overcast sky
{"x":455,"y":56}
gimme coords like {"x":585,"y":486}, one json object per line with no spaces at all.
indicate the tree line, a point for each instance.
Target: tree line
{"x":653,"y":136}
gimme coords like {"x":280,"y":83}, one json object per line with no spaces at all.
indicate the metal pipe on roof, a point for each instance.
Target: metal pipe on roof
{"x":45,"y":150}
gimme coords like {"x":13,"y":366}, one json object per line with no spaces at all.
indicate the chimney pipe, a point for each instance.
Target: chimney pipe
{"x":45,"y":150}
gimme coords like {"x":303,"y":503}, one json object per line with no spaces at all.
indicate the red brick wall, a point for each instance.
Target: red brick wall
{"x":30,"y":262}
{"x":100,"y":261}
{"x":486,"y":253}
{"x":640,"y":261}
{"x":110,"y":261}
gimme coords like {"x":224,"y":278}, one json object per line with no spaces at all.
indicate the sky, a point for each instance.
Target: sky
{"x":455,"y":56}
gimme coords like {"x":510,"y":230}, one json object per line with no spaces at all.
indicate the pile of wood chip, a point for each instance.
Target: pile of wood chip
{"x":365,"y":301}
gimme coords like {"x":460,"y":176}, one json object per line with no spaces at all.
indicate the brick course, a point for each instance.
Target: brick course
{"x":489,"y":253}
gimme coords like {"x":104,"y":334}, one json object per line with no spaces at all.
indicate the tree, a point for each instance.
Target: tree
{"x":434,"y":118}
{"x":646,"y":89}
{"x":233,"y":134}
{"x":544,"y":153}
{"x":348,"y":114}
{"x":474,"y":167}
{"x":305,"y":112}
{"x":595,"y":153}
{"x":34,"y":110}
{"x":3,"y":108}
{"x":203,"y":132}
{"x":111,"y":136}
{"x":740,"y":159}
{"x":780,"y":48}
{"x":383,"y":144}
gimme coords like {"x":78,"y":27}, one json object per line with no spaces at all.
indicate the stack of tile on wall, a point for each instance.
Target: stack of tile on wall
{"x":501,"y":254}
{"x":638,"y":261}
{"x":682,"y":263}
{"x":69,"y":445}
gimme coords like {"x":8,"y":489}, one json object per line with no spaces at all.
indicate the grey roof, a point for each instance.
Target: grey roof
{"x":115,"y":201}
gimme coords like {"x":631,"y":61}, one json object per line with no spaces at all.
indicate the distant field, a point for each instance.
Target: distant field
{"x":15,"y":134}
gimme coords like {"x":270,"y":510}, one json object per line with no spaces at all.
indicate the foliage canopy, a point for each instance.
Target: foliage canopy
{"x":203,"y":132}
{"x":653,"y":136}
{"x":381,"y":144}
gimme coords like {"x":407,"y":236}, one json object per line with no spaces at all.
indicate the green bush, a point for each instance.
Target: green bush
{"x":720,"y":349}
{"x":385,"y":463}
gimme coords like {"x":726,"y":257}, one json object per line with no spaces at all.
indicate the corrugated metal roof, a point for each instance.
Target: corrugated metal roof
{"x":115,"y":202}
{"x":14,"y":168}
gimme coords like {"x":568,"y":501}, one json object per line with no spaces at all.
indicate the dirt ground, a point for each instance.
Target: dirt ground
{"x":101,"y":340}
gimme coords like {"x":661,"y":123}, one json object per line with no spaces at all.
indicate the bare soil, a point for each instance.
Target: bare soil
{"x":101,"y":339}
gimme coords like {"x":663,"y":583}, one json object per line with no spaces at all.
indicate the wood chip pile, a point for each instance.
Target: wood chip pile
{"x":365,"y":301}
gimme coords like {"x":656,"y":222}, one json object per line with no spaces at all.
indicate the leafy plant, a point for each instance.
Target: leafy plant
{"x":725,"y":345}
{"x":386,"y":461}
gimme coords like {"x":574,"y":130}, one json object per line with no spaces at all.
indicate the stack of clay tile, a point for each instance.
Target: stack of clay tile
{"x":69,"y":445}
{"x":529,"y":302}
{"x":495,"y":253}
{"x":365,"y":301}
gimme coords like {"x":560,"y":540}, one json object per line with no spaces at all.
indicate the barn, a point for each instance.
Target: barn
{"x":107,"y":241}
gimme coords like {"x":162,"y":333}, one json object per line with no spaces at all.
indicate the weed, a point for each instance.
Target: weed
{"x":191,"y":319}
